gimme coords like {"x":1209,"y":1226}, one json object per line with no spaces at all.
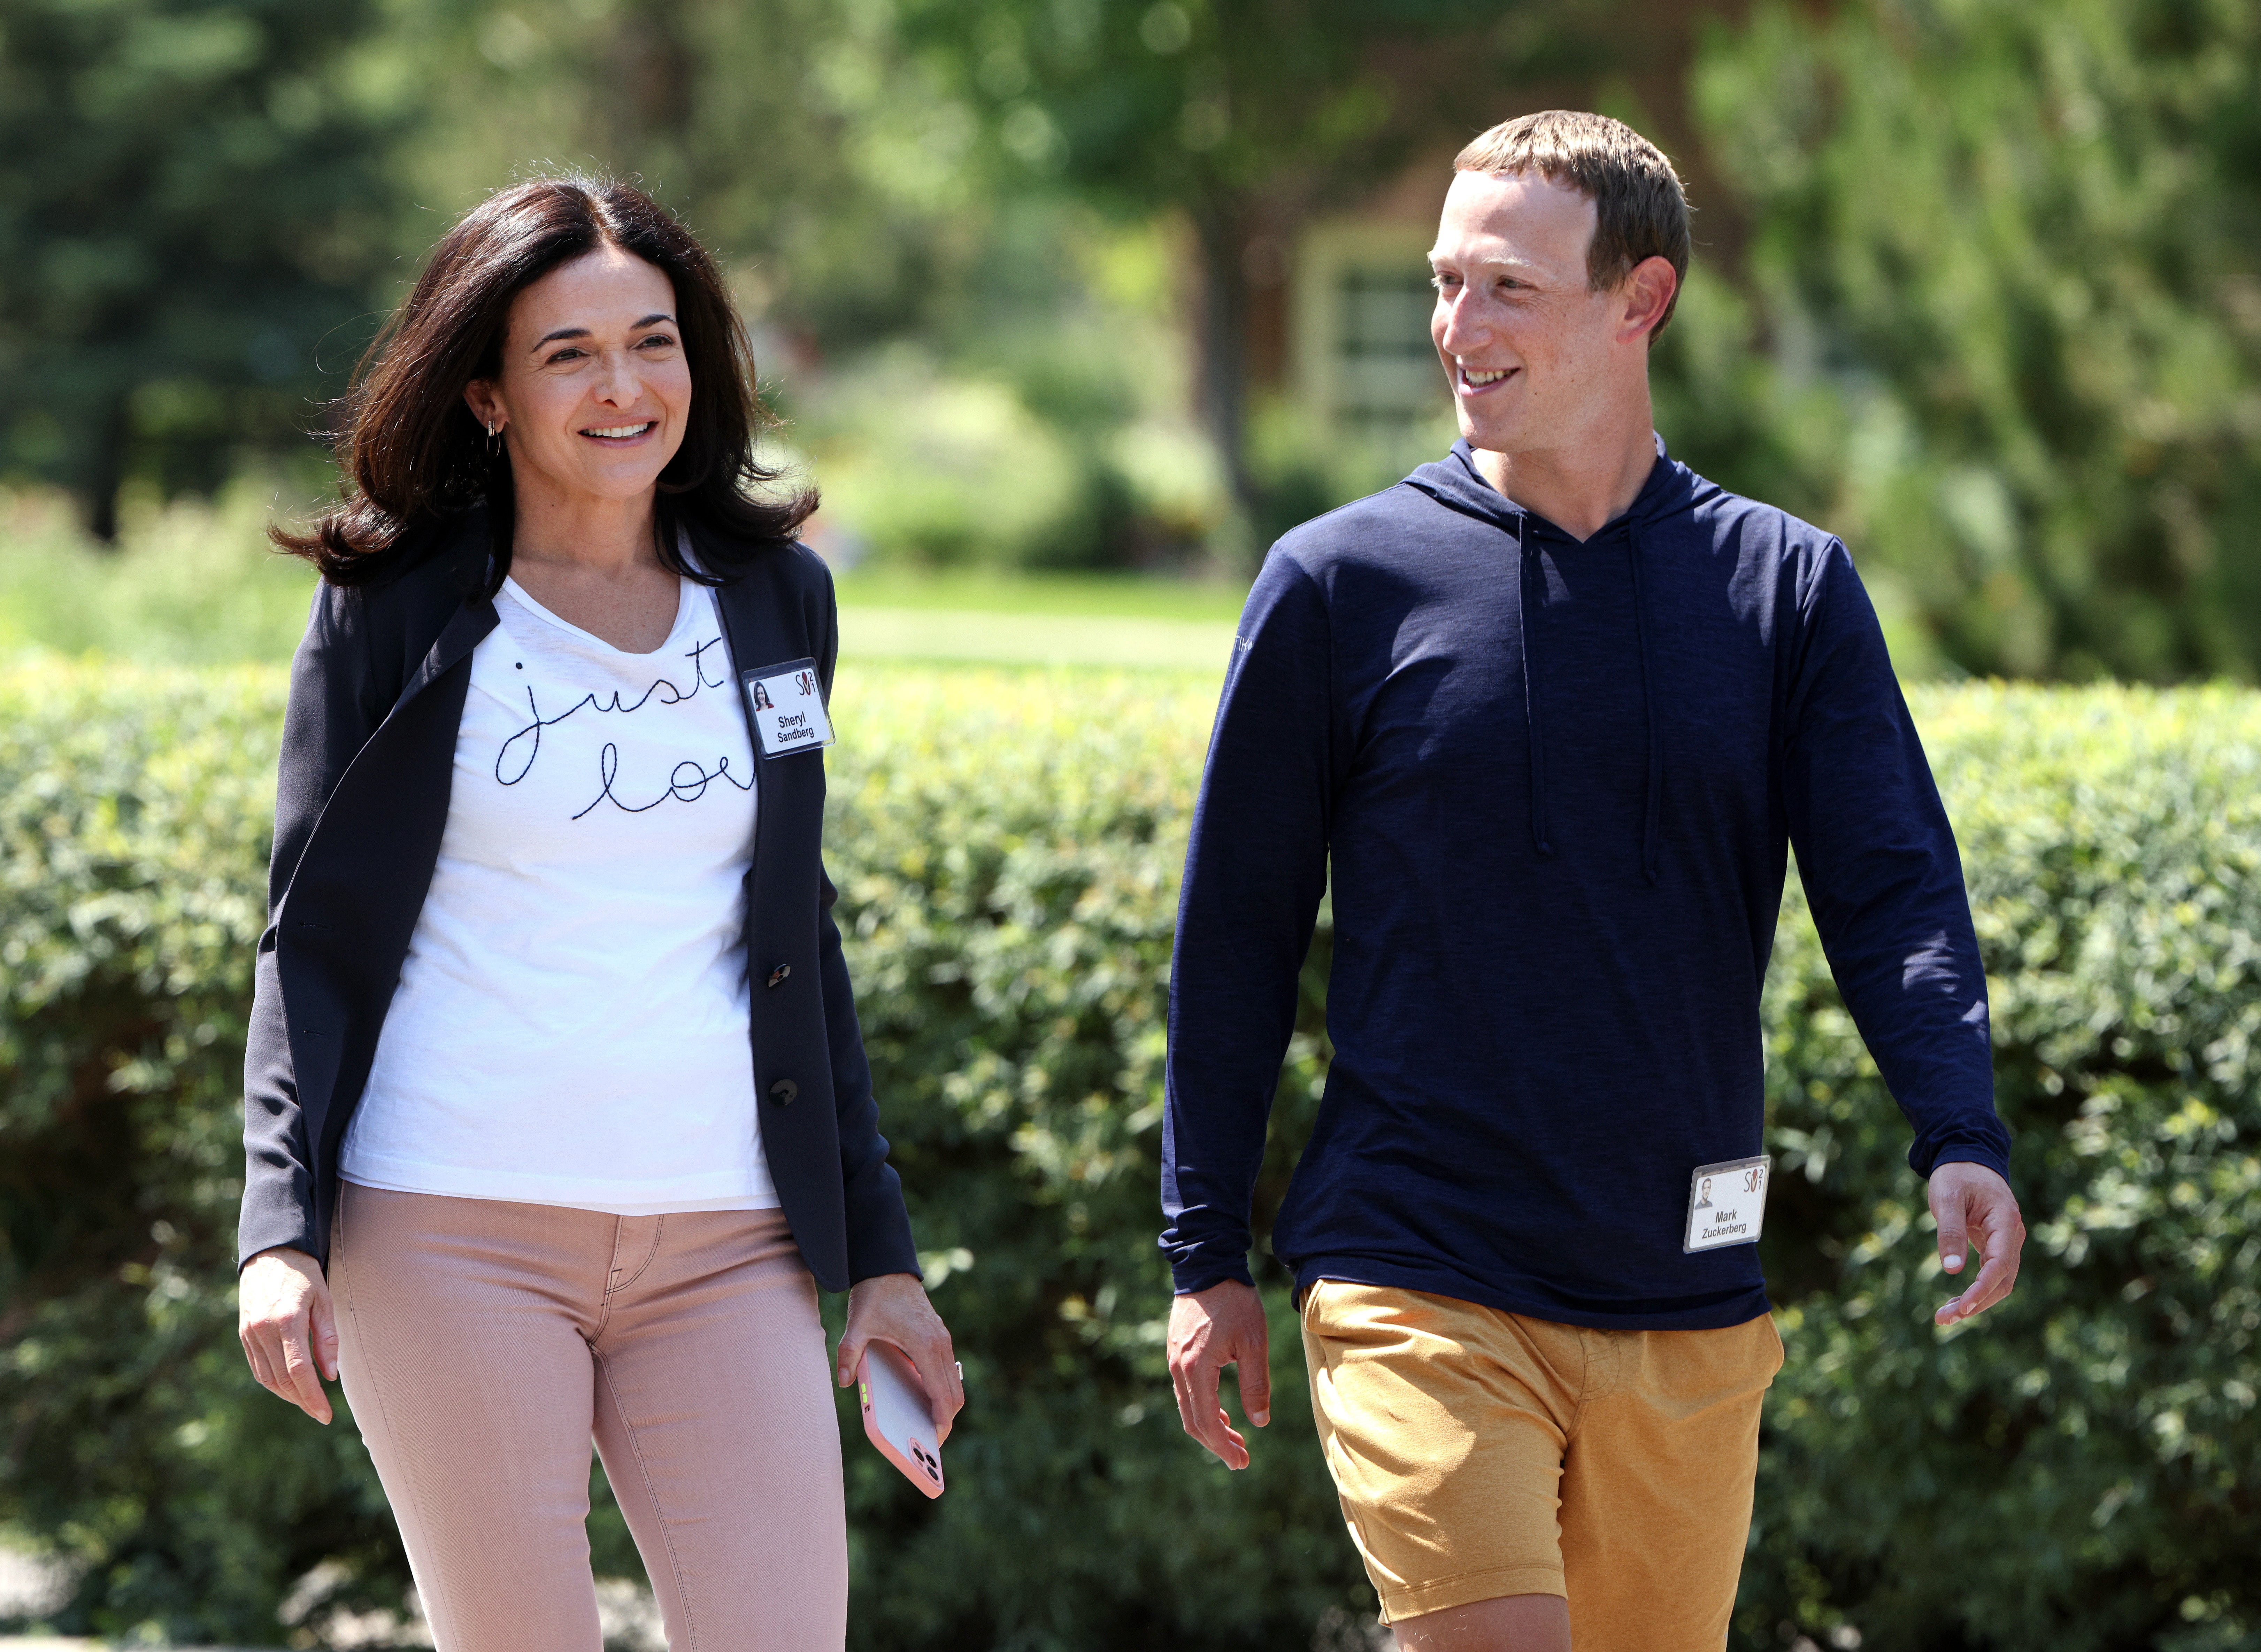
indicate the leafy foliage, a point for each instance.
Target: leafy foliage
{"x":1186,"y":103}
{"x":1006,"y":849}
{"x":780,"y":129}
{"x":2006,"y":262}
{"x":192,"y":210}
{"x":2077,"y":1473}
{"x":2084,"y":1471}
{"x":1978,"y":281}
{"x":1241,"y":119}
{"x":129,"y":842}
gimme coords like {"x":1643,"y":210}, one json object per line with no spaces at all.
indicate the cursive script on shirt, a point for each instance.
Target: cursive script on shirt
{"x":687,"y":781}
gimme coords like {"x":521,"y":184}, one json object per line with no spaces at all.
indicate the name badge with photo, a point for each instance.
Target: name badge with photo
{"x":1726,"y":1203}
{"x":788,"y":709}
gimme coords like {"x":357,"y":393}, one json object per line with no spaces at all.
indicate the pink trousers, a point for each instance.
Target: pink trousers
{"x":483,"y":1343}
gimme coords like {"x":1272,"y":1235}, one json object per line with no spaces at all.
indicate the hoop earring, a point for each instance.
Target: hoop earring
{"x":494,"y":439}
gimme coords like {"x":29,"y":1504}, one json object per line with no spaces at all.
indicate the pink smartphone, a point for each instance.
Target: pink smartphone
{"x":896,"y":1416}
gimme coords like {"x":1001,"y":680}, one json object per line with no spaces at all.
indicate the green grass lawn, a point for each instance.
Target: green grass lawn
{"x":194,"y":584}
{"x":984,"y":637}
{"x":1103,"y":595}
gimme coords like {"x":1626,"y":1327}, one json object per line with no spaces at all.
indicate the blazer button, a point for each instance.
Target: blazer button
{"x":779,"y":974}
{"x":783,"y":1091}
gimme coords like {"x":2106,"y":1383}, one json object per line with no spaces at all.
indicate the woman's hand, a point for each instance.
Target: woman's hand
{"x":288,"y":1329}
{"x":892,"y":1308}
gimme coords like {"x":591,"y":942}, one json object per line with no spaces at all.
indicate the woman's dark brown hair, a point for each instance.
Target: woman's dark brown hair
{"x":411,"y":453}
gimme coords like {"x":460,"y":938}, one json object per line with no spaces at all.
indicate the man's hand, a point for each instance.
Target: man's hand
{"x":1210,"y":1330}
{"x":1972,"y":1204}
{"x":288,"y":1327}
{"x":892,"y":1308}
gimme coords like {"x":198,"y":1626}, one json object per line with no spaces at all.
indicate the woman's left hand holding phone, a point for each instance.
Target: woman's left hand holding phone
{"x":289,"y":1328}
{"x":892,"y":1308}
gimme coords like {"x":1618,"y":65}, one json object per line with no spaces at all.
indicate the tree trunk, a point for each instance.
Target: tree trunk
{"x":651,"y":123}
{"x":104,"y":473}
{"x":1221,"y":338}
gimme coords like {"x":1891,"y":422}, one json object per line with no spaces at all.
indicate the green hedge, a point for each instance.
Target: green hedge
{"x":2078,"y":1473}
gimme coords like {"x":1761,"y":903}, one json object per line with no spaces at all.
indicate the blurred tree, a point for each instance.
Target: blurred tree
{"x":1242,"y":115}
{"x":786,"y":132}
{"x":2008,"y":258}
{"x":841,"y":177}
{"x":192,"y":208}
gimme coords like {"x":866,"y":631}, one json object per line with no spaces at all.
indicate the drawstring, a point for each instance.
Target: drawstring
{"x":1652,"y":811}
{"x":1534,"y":586}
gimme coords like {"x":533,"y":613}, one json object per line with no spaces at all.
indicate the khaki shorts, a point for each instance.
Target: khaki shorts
{"x":1480,"y":1453}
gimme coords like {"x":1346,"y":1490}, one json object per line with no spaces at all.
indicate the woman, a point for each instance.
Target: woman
{"x":554,"y":1065}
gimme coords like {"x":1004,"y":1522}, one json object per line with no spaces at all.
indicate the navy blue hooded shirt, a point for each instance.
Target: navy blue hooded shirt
{"x":1554,"y":785}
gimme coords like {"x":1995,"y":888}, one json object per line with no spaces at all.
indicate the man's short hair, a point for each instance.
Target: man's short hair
{"x":1639,"y":208}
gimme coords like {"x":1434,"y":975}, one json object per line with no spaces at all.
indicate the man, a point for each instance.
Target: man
{"x":1550,"y":713}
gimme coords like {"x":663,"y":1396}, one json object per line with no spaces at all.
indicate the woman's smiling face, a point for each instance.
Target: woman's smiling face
{"x":595,"y":390}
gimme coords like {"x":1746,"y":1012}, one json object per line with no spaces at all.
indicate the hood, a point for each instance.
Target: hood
{"x":1454,"y":483}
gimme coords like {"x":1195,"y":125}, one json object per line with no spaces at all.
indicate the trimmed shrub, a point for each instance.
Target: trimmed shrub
{"x":135,"y":815}
{"x":2078,"y":1472}
{"x":2084,"y":1471}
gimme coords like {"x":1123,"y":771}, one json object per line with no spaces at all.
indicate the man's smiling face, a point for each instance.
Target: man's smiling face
{"x":1525,"y":340}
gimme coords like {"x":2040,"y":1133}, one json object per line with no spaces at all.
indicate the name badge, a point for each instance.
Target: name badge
{"x":1726,"y":1203}
{"x":788,"y":709}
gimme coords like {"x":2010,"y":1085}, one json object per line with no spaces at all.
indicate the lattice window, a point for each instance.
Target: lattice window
{"x":1361,"y":302}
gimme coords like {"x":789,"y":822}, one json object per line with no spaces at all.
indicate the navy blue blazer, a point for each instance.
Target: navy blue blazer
{"x":368,"y":743}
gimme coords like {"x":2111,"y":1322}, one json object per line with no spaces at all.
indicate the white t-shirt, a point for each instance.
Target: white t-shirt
{"x":571,"y":1023}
